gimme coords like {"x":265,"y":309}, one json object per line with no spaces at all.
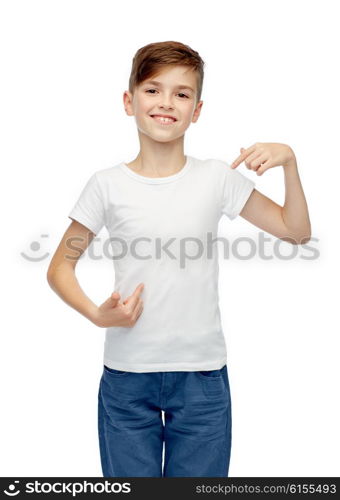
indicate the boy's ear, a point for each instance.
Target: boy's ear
{"x":127,"y":100}
{"x":197,"y":111}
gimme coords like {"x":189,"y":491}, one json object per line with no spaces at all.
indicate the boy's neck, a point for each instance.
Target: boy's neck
{"x":164,"y":165}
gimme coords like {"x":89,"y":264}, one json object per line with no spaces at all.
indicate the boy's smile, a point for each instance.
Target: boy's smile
{"x":163,"y":119}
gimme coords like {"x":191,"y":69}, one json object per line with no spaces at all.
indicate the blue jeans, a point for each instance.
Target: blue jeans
{"x":196,"y":431}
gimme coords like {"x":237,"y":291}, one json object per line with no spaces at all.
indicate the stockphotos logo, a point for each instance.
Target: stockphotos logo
{"x":181,"y":250}
{"x":69,"y":488}
{"x":12,"y":490}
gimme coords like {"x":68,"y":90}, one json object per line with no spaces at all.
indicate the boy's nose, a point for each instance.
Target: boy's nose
{"x":166,"y":102}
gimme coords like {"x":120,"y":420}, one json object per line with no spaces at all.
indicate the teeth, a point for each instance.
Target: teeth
{"x":163,"y":119}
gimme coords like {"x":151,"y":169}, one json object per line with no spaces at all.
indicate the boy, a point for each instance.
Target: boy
{"x":164,"y":345}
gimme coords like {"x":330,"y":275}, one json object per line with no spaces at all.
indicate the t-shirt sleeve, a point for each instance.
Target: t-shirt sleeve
{"x":89,"y":209}
{"x":236,"y":191}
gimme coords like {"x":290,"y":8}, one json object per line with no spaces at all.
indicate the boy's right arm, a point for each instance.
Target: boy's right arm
{"x":62,"y":279}
{"x":61,"y":272}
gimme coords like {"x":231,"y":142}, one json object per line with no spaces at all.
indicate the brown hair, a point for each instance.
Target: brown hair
{"x":150,"y":59}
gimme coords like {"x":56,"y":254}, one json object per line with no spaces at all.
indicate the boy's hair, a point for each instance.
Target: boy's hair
{"x":152,"y":58}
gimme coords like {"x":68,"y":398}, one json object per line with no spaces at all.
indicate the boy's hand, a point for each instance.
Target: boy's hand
{"x":115,"y":313}
{"x":264,"y":155}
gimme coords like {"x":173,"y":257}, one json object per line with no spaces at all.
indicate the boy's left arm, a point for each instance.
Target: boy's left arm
{"x":291,"y":222}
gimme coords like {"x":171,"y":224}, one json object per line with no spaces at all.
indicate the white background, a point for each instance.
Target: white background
{"x":270,"y":76}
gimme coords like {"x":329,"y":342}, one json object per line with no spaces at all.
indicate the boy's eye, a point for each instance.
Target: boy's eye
{"x":180,"y":93}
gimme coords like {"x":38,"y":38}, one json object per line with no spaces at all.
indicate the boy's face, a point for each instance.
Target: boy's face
{"x":165,"y":98}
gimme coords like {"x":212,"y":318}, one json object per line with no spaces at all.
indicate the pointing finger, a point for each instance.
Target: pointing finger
{"x":239,"y":159}
{"x":134,"y":298}
{"x":242,"y":156}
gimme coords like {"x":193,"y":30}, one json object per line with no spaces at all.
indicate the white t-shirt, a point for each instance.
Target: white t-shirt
{"x":161,"y":232}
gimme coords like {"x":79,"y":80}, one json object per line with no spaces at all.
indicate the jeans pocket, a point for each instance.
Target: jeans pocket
{"x":114,"y":371}
{"x":210,"y":373}
{"x":212,"y":383}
